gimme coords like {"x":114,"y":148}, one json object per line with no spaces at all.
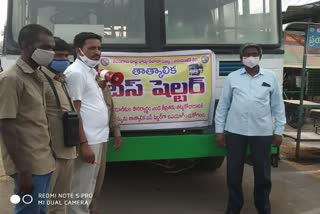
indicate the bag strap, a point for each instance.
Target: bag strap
{"x":53,"y":89}
{"x":68,"y":96}
{"x":56,"y":93}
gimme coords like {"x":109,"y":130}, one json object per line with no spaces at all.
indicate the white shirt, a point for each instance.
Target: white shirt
{"x":83,"y":86}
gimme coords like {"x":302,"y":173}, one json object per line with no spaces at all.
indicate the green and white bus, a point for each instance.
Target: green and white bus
{"x":157,"y":26}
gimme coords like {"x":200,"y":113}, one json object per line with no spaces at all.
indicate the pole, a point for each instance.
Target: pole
{"x":301,"y":108}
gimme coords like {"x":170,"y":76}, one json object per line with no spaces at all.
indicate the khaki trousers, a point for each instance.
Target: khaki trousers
{"x":61,"y":183}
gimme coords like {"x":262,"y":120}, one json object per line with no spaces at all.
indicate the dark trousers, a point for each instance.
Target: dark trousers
{"x":260,"y":147}
{"x":33,"y":203}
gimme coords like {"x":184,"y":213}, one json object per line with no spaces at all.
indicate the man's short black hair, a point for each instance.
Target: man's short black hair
{"x":80,"y":39}
{"x":61,"y":45}
{"x":28,"y":35}
{"x":250,"y":45}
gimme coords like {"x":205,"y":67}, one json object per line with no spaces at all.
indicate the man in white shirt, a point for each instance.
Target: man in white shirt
{"x":94,"y":117}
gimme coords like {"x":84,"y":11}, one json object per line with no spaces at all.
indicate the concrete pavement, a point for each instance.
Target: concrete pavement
{"x":139,"y":188}
{"x":142,"y":188}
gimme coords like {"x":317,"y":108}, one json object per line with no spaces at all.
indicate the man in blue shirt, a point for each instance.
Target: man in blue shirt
{"x":250,"y":113}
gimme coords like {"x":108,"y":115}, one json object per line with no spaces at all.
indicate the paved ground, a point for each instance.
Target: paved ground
{"x":141,"y":188}
{"x":138,"y":189}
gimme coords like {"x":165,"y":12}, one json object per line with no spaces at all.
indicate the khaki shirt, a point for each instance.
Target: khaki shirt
{"x":113,"y":122}
{"x":22,"y":99}
{"x":54,"y":115}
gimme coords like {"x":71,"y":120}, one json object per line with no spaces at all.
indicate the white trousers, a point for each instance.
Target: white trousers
{"x":84,"y":181}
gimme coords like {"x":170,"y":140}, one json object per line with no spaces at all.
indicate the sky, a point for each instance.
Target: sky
{"x":3,"y":12}
{"x":3,"y":15}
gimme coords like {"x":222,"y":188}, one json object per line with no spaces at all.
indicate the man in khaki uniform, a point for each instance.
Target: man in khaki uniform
{"x":62,"y":176}
{"x":25,"y":140}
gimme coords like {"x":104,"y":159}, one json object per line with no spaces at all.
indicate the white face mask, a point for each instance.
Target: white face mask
{"x":89,"y":62}
{"x":42,"y":57}
{"x":251,"y":61}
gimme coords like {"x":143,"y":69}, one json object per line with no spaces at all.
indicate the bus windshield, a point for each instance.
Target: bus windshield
{"x":230,"y":22}
{"x":119,"y":21}
{"x":221,"y":21}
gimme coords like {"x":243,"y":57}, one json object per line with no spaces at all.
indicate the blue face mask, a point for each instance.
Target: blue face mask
{"x":59,"y":66}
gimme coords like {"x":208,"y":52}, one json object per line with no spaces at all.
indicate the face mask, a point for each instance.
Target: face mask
{"x":59,"y":66}
{"x":251,"y":61}
{"x":42,"y":57}
{"x":89,"y":62}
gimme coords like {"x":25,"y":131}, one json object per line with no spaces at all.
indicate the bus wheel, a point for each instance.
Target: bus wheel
{"x":210,"y":163}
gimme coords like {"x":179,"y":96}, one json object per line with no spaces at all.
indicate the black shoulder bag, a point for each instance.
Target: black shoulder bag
{"x":70,"y":118}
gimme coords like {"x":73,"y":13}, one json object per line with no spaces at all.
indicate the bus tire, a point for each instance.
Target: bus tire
{"x":210,"y":163}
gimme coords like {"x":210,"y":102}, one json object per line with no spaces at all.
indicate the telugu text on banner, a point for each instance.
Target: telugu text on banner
{"x":166,"y":90}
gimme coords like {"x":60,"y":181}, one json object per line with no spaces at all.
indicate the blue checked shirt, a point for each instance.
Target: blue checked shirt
{"x":251,"y":106}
